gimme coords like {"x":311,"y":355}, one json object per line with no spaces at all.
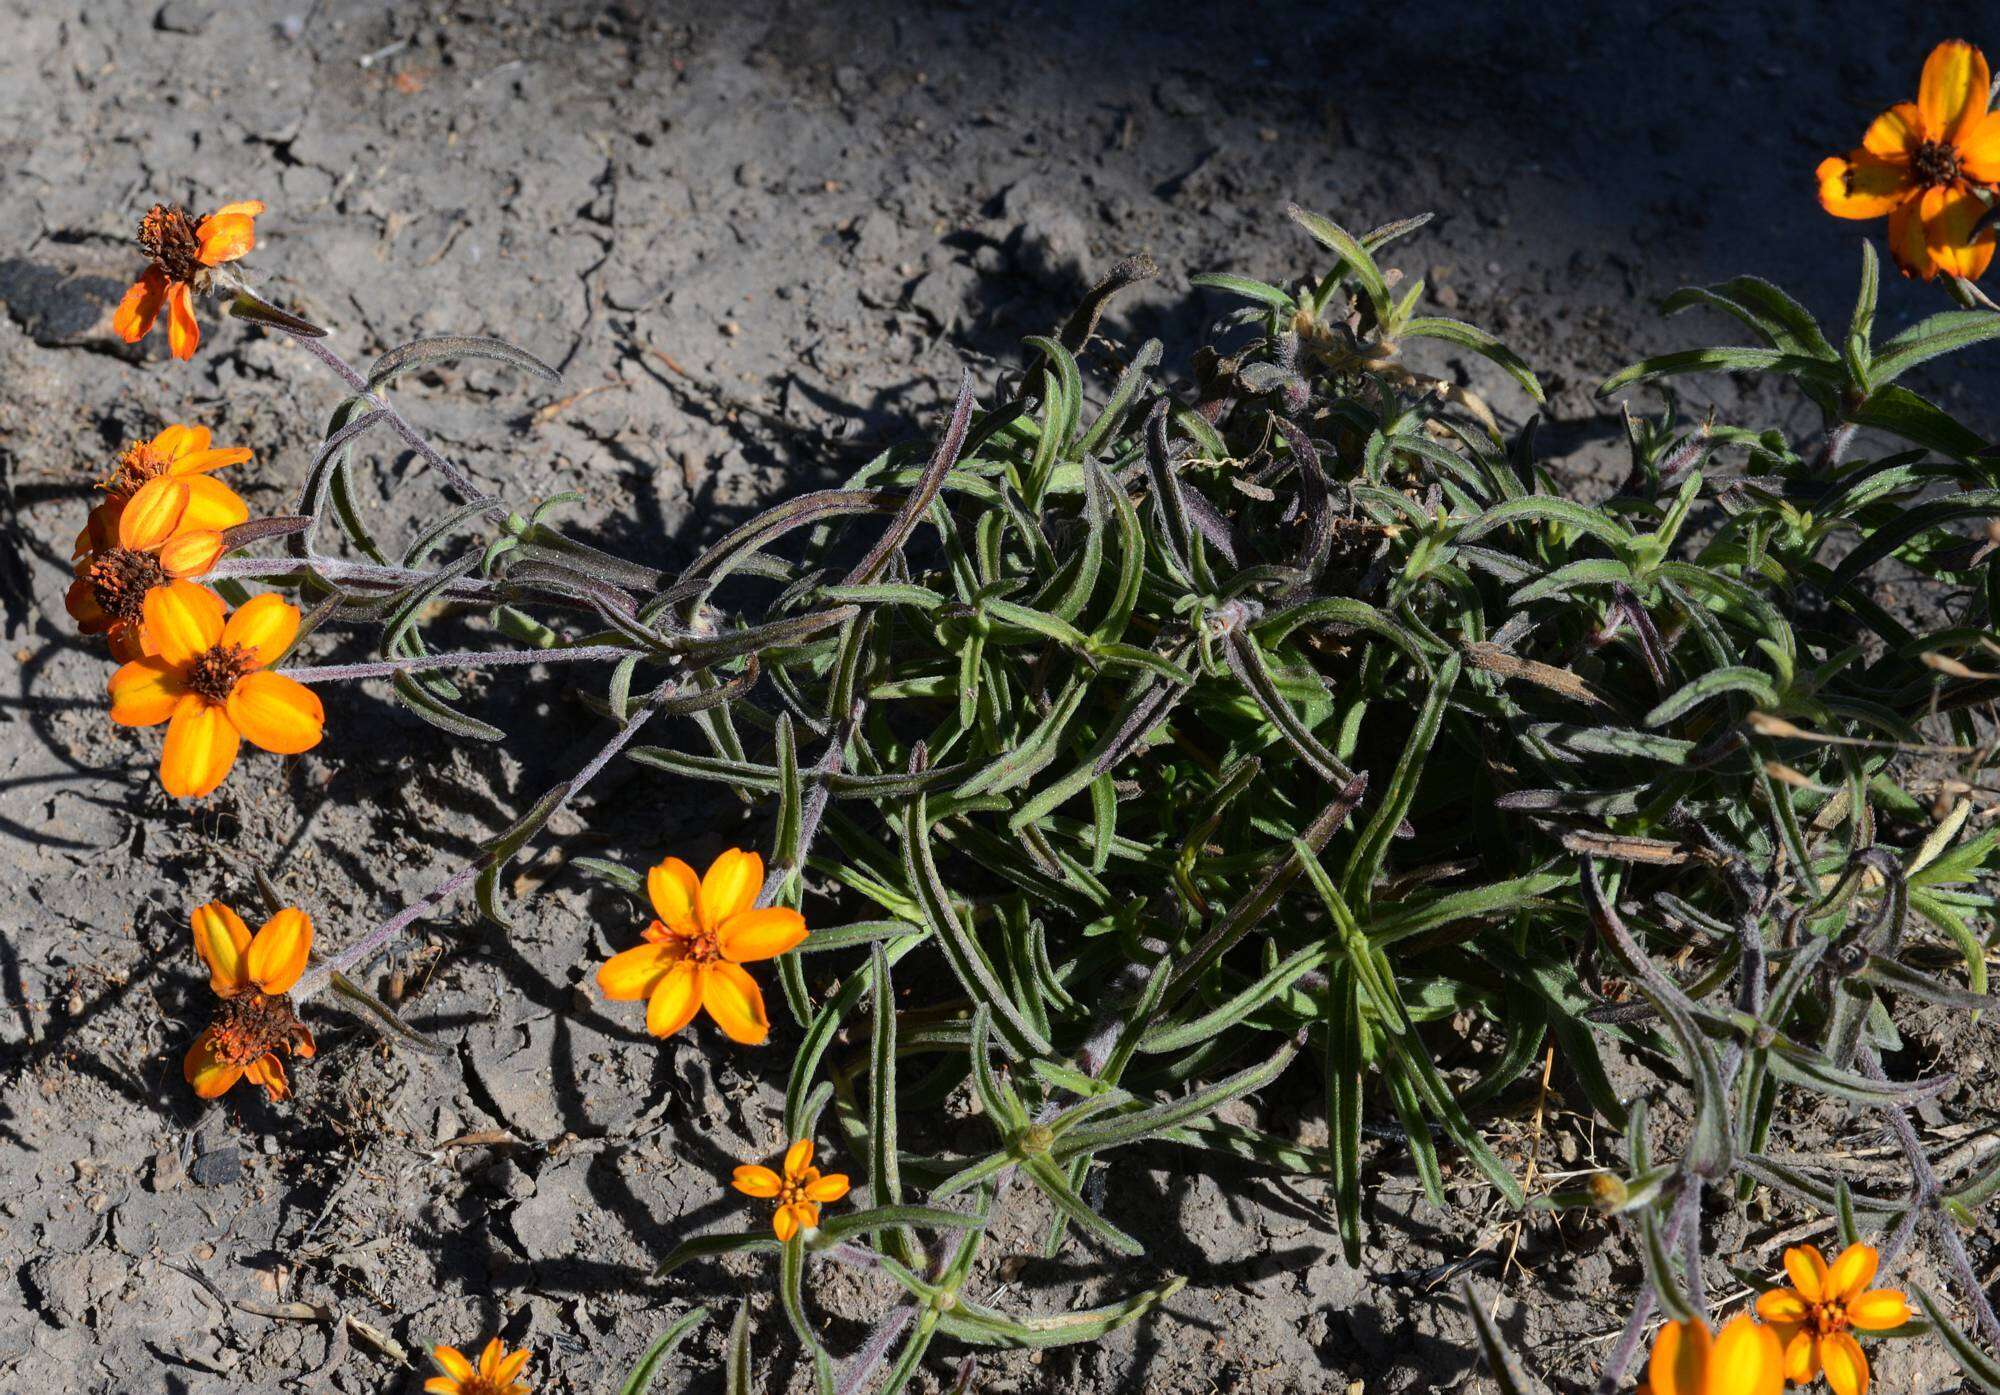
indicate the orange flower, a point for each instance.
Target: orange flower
{"x":1919,"y":165}
{"x":1814,"y":1315}
{"x":708,"y":928}
{"x":184,"y":254}
{"x":167,"y":529}
{"x":252,"y":974}
{"x":209,"y":681}
{"x":179,"y":452}
{"x":1742,"y":1359}
{"x":495,"y":1375}
{"x":799,"y":1193}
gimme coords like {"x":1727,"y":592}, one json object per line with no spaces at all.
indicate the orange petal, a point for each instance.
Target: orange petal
{"x":511,"y":1367}
{"x":798,"y":1157}
{"x":202,"y":461}
{"x":145,"y":692}
{"x":189,"y":554}
{"x":81,"y":603}
{"x":1808,"y":1270}
{"x":1746,"y":1359}
{"x":276,"y":713}
{"x":672,"y":887}
{"x":489,"y":1359}
{"x":225,"y":237}
{"x":452,"y":1362}
{"x":253,"y":207}
{"x":211,"y":503}
{"x":1949,"y":220}
{"x":179,"y":439}
{"x":1801,"y":1356}
{"x":133,"y":319}
{"x":1979,"y":150}
{"x":1893,"y":135}
{"x":1951,"y":96}
{"x":831,"y":1187}
{"x":279,"y":951}
{"x":265,"y":625}
{"x":201,"y":746}
{"x":267,"y":1070}
{"x":1862,"y":186}
{"x":735,"y":1002}
{"x":183,"y":334}
{"x":634,"y":973}
{"x":752,"y":1180}
{"x":1906,"y":241}
{"x":151,"y":515}
{"x":764,"y":934}
{"x":1846,"y":1367}
{"x":128,"y":643}
{"x":675,"y":998}
{"x":183,"y":620}
{"x":210,"y":1075}
{"x":1782,"y":1305}
{"x":785,"y":1223}
{"x":223,"y":941}
{"x":1850,"y":1272}
{"x":1680,"y":1359}
{"x":443,"y":1385}
{"x":1878,"y":1309}
{"x":729,"y":887}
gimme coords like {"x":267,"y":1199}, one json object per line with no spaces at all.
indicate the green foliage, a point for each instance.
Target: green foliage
{"x":1244,"y":748}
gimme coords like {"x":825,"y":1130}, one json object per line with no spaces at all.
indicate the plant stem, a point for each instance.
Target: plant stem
{"x":363,"y":950}
{"x":468,"y":658}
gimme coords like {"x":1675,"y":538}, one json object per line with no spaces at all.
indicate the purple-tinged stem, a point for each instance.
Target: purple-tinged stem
{"x":468,"y":658}
{"x":370,"y":944}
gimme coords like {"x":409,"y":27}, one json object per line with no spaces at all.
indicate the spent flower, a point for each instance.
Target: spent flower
{"x":183,"y":253}
{"x":254,"y":976}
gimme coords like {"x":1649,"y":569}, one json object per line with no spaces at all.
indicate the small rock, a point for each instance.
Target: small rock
{"x":217,"y":1168}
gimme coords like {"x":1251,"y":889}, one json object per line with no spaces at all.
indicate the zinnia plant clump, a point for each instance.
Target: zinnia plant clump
{"x":1152,"y":761}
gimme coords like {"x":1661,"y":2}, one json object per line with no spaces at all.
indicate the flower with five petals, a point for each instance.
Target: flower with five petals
{"x":209,"y":680}
{"x":709,"y":927}
{"x":799,"y":1193}
{"x":254,"y":976}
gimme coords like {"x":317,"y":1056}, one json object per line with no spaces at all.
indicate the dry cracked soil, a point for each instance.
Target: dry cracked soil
{"x":760,"y":241}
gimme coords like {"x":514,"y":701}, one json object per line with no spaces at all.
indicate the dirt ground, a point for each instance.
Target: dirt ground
{"x":760,"y":241}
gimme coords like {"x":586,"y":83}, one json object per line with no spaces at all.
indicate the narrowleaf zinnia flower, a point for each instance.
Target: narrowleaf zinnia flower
{"x":164,"y":532}
{"x":179,"y":452}
{"x":184,"y":253}
{"x":495,"y":1374}
{"x":799,"y":1193}
{"x":210,"y":682}
{"x":1742,"y":1359}
{"x":1919,"y":165}
{"x":1817,"y":1316}
{"x":253,"y":975}
{"x":693,"y":955}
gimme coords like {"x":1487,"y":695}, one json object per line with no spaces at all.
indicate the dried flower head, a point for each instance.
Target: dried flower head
{"x":1920,"y":164}
{"x":208,"y":680}
{"x":495,"y":1374}
{"x":253,"y":975}
{"x":799,"y":1193}
{"x":1817,"y":1316}
{"x":692,"y":958}
{"x":183,"y":253}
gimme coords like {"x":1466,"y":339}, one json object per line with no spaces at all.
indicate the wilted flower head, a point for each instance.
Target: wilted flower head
{"x":183,"y":253}
{"x":254,"y":976}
